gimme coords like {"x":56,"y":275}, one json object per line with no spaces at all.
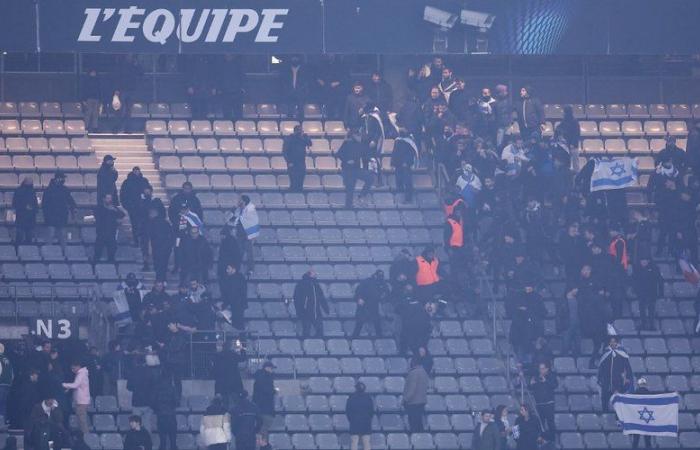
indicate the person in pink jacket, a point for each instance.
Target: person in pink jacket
{"x":81,"y":394}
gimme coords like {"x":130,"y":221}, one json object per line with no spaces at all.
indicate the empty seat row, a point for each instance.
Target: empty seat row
{"x":44,"y":145}
{"x":214,"y":146}
{"x":49,"y":163}
{"x":68,"y":110}
{"x":241,"y":128}
{"x":620,"y":146}
{"x":49,"y":127}
{"x":629,"y":128}
{"x":621,"y":111}
{"x":271,"y":182}
{"x":241,"y":164}
{"x":73,"y":180}
{"x":62,"y":271}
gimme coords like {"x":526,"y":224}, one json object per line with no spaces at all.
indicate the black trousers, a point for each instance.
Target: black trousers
{"x":546,"y":412}
{"x":647,"y":312}
{"x":167,"y":429}
{"x":307,"y":323}
{"x":350,"y":177}
{"x":297,"y":173}
{"x":361,"y":320}
{"x":404,"y":182}
{"x":108,"y":243}
{"x":635,"y":441}
{"x":415,"y":417}
{"x":160,"y":264}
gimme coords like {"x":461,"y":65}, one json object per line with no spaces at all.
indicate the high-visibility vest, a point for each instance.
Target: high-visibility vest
{"x":450,"y":209}
{"x":624,"y":259}
{"x":457,"y":237}
{"x":427,"y":271}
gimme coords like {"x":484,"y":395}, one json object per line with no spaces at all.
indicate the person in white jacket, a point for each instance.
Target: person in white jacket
{"x":215,"y":429}
{"x":81,"y":394}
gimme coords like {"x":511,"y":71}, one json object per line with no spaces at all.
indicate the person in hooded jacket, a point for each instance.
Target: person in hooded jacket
{"x":403,"y":158}
{"x":131,"y":193}
{"x":592,"y":314}
{"x":226,"y":372}
{"x":368,"y":296}
{"x":359,"y":409}
{"x":57,"y":204}
{"x":196,"y":257}
{"x":264,"y":397}
{"x":162,"y":239}
{"x":310,"y":304}
{"x":648,"y":285}
{"x":107,"y":177}
{"x":246,"y":423}
{"x":234,"y":294}
{"x":107,"y":218}
{"x":25,"y":204}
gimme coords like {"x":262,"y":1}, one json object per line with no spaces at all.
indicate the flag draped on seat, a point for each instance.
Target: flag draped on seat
{"x":614,"y":173}
{"x":648,"y":414}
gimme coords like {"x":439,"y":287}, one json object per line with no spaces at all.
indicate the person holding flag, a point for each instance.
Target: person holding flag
{"x":642,"y":413}
{"x":247,"y":225}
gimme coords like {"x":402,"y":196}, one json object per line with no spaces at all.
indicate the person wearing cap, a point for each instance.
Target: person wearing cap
{"x":25,"y":204}
{"x":264,"y":397}
{"x":132,"y":194}
{"x":246,"y":422}
{"x":310,"y":304}
{"x":641,"y":389}
{"x":415,"y":395}
{"x":359,"y":409}
{"x":107,"y":180}
{"x":57,"y":205}
{"x":354,"y":103}
{"x":107,"y":218}
{"x":648,"y":285}
{"x":369,"y":294}
{"x":294,"y":152}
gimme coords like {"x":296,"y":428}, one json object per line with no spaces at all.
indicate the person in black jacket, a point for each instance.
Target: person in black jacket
{"x":310,"y":304}
{"x":137,"y":438}
{"x":569,"y":128}
{"x":92,"y":99}
{"x":264,"y":398}
{"x":503,"y":114}
{"x":294,"y":152}
{"x":368,"y":296}
{"x":167,"y":399}
{"x":141,"y":382}
{"x":196,"y":257}
{"x":354,"y":106}
{"x":25,"y":204}
{"x":162,"y":239}
{"x":226,"y":372}
{"x":350,"y":155}
{"x":359,"y":409}
{"x":245,"y":420}
{"x":229,"y":252}
{"x":410,"y":118}
{"x":294,"y":78}
{"x":542,"y":387}
{"x":131,"y":194}
{"x":530,"y":114}
{"x":175,"y":350}
{"x":381,"y":93}
{"x":648,"y":284}
{"x":234,"y":294}
{"x":57,"y":204}
{"x":186,"y":196}
{"x":528,"y":430}
{"x":107,"y":180}
{"x":403,"y":158}
{"x":107,"y":217}
{"x":331,"y":85}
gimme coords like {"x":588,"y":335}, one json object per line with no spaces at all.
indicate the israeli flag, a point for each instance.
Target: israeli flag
{"x":647,"y":414}
{"x":469,"y":186}
{"x":614,"y":173}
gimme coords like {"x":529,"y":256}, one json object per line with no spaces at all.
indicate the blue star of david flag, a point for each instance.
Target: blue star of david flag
{"x":614,"y":173}
{"x":648,"y":414}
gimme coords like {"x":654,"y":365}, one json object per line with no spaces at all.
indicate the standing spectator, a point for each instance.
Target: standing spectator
{"x":410,"y":118}
{"x":354,"y":106}
{"x":614,"y":373}
{"x":294,"y":151}
{"x":232,"y":84}
{"x":528,"y":434}
{"x":350,"y":154}
{"x":107,"y":180}
{"x":81,"y":394}
{"x":196,"y":257}
{"x":359,"y":409}
{"x":427,"y":274}
{"x":264,"y":398}
{"x":166,"y":400}
{"x":186,"y":196}
{"x":380,"y":92}
{"x":247,"y":225}
{"x":486,"y":436}
{"x":295,"y":79}
{"x":570,"y":131}
{"x":310,"y":304}
{"x":92,"y":100}
{"x":448,"y":84}
{"x":503,"y":114}
{"x":368,"y":296}
{"x":592,"y":315}
{"x":185,"y":221}
{"x":530,"y":114}
{"x":7,"y":376}
{"x":246,"y":423}
{"x":460,"y":104}
{"x":415,"y":322}
{"x":415,"y":395}
{"x":229,"y":252}
{"x":648,"y":285}
{"x":25,"y":204}
{"x":175,"y":350}
{"x":504,"y":429}
{"x":141,"y":383}
{"x":226,"y":372}
{"x":215,"y":428}
{"x":331,"y":81}
{"x":693,"y":148}
{"x":57,"y":204}
{"x":137,"y":438}
{"x":113,"y":364}
{"x":671,"y":152}
{"x":131,"y":193}
{"x":542,"y":387}
{"x":234,"y":294}
{"x":664,"y":186}
{"x":46,"y":431}
{"x":485,"y":117}
{"x":28,"y":394}
{"x":641,"y":390}
{"x":107,"y":217}
{"x":403,"y":158}
{"x":161,"y":236}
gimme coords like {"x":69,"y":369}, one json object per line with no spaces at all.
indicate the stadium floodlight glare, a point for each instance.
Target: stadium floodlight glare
{"x":443,"y":19}
{"x":481,"y":20}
